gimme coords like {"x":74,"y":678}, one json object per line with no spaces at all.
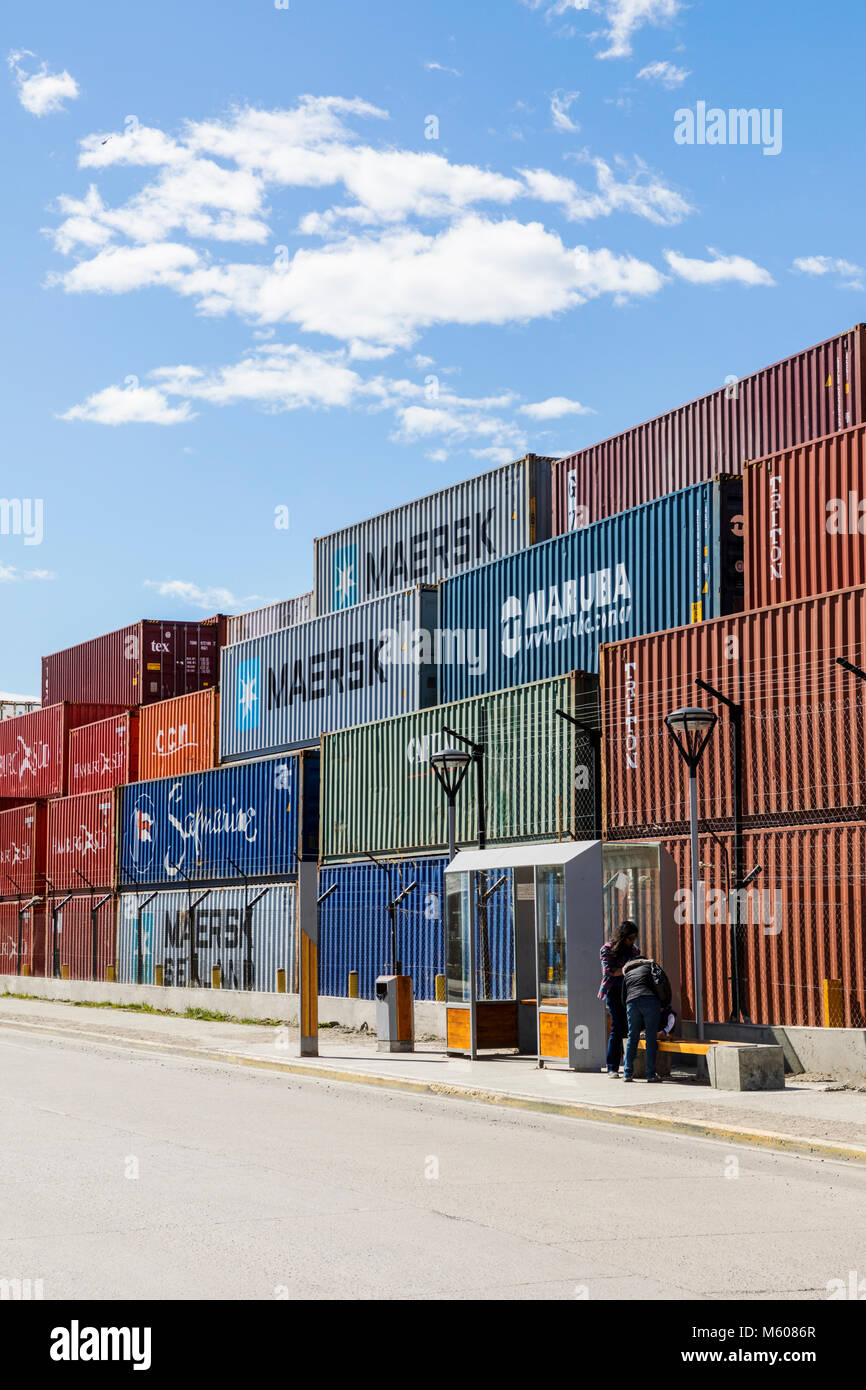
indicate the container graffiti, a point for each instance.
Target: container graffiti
{"x":22,"y":850}
{"x":177,"y":736}
{"x":22,"y":938}
{"x":104,"y":754}
{"x":34,"y":748}
{"x":80,"y":935}
{"x":81,"y":841}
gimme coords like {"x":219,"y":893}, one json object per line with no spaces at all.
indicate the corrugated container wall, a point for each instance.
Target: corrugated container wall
{"x":250,"y":944}
{"x":545,"y":612}
{"x":253,"y":819}
{"x":177,"y":736}
{"x":82,"y":841}
{"x":71,"y":946}
{"x":802,"y":716}
{"x":813,"y":393}
{"x":104,"y":754}
{"x":147,"y":661}
{"x":381,"y":796}
{"x":22,"y":850}
{"x":10,"y":709}
{"x":286,"y":689}
{"x":805,"y":517}
{"x":800,"y":923}
{"x":355,"y":929}
{"x":32,"y":928}
{"x":287,"y":613}
{"x":496,"y":514}
{"x":34,"y":748}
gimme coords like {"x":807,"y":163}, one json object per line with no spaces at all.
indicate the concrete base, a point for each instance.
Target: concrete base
{"x":663,"y":1064}
{"x":836,"y":1052}
{"x":752,"y":1067}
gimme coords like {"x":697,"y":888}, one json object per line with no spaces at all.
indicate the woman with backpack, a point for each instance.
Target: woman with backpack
{"x":621,"y":948}
{"x":646,"y":994}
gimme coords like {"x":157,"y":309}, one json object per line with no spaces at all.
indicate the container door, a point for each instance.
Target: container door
{"x":460,"y":1030}
{"x":553,"y":1029}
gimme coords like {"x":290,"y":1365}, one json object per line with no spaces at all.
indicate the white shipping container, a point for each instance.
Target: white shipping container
{"x":287,"y":613}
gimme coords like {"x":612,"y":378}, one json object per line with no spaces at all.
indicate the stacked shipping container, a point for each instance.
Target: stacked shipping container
{"x":147,"y":661}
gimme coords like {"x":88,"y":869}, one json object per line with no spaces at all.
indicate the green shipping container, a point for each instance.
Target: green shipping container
{"x":379,"y":794}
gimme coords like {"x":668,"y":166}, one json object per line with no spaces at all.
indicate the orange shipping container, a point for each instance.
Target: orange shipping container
{"x":180,"y":735}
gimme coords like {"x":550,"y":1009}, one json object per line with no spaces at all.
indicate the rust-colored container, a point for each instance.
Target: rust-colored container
{"x":803,"y":717}
{"x":813,"y":393}
{"x":800,"y":923}
{"x":34,"y":748}
{"x":73,"y":948}
{"x":22,"y":850}
{"x":104,"y":754}
{"x":22,"y":926}
{"x":82,"y":844}
{"x":805,"y":519}
{"x":177,"y":736}
{"x":147,"y":661}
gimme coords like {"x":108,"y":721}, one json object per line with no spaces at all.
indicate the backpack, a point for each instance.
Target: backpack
{"x":661,"y":984}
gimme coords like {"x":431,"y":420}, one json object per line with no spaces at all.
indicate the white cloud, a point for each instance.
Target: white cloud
{"x":438,"y":67}
{"x":851,"y":275}
{"x":210,"y":599}
{"x":622,"y":18}
{"x":719,"y":270}
{"x":275,"y":377}
{"x":554,"y":408}
{"x":668,"y":74}
{"x":643,"y":194}
{"x":41,"y":93}
{"x":11,"y":574}
{"x":494,"y":454}
{"x":118,"y":269}
{"x":560,"y":102}
{"x":18,"y":699}
{"x":137,"y":405}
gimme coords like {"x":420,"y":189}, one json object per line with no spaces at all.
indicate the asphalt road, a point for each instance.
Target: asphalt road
{"x":126,"y":1176}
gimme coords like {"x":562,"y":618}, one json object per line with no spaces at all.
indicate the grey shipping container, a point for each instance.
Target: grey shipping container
{"x":437,"y":536}
{"x":285,"y":689}
{"x":271,"y":618}
{"x":250,"y":933}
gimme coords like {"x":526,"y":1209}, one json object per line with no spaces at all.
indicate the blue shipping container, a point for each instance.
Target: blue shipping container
{"x":355,"y":928}
{"x":251,"y":819}
{"x":285,"y":689}
{"x":546,"y":611}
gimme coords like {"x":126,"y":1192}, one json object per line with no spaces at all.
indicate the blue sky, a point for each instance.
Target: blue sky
{"x":239,"y":276}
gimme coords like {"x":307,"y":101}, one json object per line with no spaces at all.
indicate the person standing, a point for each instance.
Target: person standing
{"x":646,"y":991}
{"x":621,"y":948}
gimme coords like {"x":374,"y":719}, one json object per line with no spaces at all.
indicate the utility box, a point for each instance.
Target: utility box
{"x":395,"y":1013}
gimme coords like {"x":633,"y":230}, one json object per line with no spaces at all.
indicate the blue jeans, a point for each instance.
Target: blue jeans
{"x":643,"y":1013}
{"x":618,"y":1025}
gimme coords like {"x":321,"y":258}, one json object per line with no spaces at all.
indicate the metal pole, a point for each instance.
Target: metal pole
{"x":697,"y":940}
{"x":452,"y":827}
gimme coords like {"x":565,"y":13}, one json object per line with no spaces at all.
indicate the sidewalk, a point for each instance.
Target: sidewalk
{"x":816,"y":1118}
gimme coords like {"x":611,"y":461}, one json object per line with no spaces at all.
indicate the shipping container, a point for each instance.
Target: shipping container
{"x":22,"y":938}
{"x":10,"y":709}
{"x":813,"y":393}
{"x":380,"y":794}
{"x":104,"y":754}
{"x":82,"y":841}
{"x":802,"y":716}
{"x":805,"y":520}
{"x":546,"y":611}
{"x":146,"y":661}
{"x":80,"y":935}
{"x":287,"y":613}
{"x":287,"y":688}
{"x":180,"y":735}
{"x":34,"y":748}
{"x":440,"y":535}
{"x":250,"y":933}
{"x":355,"y":928}
{"x":250,"y":820}
{"x":798,"y":924}
{"x":22,"y":850}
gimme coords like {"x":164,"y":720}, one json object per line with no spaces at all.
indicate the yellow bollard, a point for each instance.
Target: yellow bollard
{"x":281,"y":981}
{"x":833,"y":1010}
{"x":64,"y":972}
{"x":110,"y":974}
{"x":215,"y":977}
{"x":353,"y":984}
{"x":157,"y":974}
{"x":440,"y":988}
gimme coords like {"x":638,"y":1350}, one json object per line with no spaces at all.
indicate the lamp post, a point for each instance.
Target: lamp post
{"x":450,"y":767}
{"x":690,"y":729}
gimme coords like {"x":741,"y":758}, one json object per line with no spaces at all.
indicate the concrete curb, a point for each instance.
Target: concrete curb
{"x":695,"y":1129}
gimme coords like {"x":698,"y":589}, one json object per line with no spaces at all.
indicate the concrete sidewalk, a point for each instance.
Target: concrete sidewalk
{"x":816,"y":1118}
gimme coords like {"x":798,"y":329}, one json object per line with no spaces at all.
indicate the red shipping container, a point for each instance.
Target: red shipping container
{"x":70,"y":941}
{"x":22,"y":850}
{"x":30,"y":922}
{"x":800,"y":923}
{"x":81,"y":841}
{"x":813,"y":393}
{"x":181,"y":735}
{"x":805,"y":520}
{"x":803,"y":717}
{"x":104,"y":754}
{"x":34,"y":748}
{"x":147,"y":661}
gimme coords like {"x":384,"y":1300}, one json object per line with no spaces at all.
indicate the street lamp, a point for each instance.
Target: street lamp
{"x":450,"y":767}
{"x":690,"y":730}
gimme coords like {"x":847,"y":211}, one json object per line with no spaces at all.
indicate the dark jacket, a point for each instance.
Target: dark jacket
{"x":637,"y":981}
